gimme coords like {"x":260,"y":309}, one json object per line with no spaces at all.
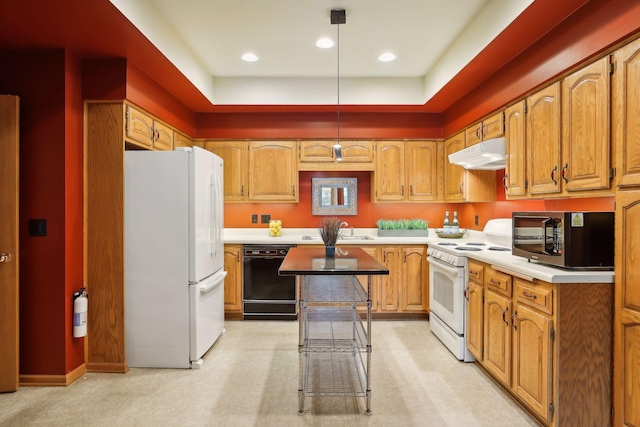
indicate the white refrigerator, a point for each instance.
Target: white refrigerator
{"x":174,"y":256}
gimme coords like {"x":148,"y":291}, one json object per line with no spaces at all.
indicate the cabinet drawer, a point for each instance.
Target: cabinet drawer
{"x":533,"y":295}
{"x":498,"y":281}
{"x":476,"y":272}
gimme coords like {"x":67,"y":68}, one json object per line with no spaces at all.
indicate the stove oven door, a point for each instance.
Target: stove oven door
{"x":446,"y":294}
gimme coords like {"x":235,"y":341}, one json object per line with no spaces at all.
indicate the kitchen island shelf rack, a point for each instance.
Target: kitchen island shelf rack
{"x":334,"y":343}
{"x":333,"y":338}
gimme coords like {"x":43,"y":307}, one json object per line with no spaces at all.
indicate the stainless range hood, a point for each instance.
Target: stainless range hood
{"x":486,"y":155}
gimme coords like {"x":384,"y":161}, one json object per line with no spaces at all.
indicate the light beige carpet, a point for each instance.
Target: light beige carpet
{"x":250,"y":378}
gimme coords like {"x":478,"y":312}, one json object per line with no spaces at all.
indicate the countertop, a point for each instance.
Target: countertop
{"x":312,"y":261}
{"x":503,"y":260}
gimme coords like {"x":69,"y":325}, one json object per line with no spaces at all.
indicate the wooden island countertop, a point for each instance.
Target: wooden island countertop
{"x":312,"y":261}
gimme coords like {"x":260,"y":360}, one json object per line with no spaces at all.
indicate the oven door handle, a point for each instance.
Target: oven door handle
{"x":435,"y":262}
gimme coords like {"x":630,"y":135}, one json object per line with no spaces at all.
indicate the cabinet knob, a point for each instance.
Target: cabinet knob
{"x":504,"y":182}
{"x":553,"y":175}
{"x":504,"y":316}
{"x":563,"y":172}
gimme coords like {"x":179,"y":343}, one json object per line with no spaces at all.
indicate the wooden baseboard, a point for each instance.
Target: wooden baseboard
{"x":233,"y":316}
{"x":109,"y":368}
{"x":52,"y":380}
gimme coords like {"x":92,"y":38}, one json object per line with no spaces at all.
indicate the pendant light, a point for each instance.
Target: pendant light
{"x":338,"y":16}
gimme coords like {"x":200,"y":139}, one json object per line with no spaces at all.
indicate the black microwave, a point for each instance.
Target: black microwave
{"x":572,"y":240}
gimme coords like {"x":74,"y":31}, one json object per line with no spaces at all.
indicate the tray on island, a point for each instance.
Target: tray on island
{"x":442,"y":234}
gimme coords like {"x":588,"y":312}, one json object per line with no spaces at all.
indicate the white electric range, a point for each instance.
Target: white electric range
{"x":447,"y":282}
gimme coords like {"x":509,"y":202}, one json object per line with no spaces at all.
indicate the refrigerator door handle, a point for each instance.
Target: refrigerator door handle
{"x":212,"y":213}
{"x":211,"y":286}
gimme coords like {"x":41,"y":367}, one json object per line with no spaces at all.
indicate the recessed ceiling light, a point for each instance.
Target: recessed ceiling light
{"x":324,"y":43}
{"x":249,"y":57}
{"x":386,"y":57}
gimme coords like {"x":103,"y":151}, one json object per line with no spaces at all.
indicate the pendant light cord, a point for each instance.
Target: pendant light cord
{"x":338,"y":84}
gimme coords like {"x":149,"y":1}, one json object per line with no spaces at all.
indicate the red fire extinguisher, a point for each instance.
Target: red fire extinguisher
{"x":80,"y":305}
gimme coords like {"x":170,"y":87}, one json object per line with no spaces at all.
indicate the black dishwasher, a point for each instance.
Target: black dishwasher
{"x":265,"y":294}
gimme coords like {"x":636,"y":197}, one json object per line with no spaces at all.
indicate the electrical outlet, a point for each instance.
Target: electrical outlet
{"x":476,"y":220}
{"x":266,"y":218}
{"x":254,"y":219}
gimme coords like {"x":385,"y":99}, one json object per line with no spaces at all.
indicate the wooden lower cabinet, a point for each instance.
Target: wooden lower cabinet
{"x":475,"y":302}
{"x":627,"y":309}
{"x":233,"y":281}
{"x":405,"y":289}
{"x":497,"y":336}
{"x":549,"y":345}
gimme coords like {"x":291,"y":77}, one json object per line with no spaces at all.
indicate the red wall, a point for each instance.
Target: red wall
{"x":50,"y":188}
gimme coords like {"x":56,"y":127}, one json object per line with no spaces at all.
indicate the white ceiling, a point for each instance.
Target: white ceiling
{"x":432,"y":40}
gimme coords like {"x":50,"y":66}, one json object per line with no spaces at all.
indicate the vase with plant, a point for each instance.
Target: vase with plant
{"x":403,"y":227}
{"x":329,"y":232}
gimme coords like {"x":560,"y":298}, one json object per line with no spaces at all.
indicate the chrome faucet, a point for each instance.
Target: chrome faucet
{"x":345,"y":224}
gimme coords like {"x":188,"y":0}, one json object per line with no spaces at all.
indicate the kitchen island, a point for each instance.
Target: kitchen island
{"x":332,"y":336}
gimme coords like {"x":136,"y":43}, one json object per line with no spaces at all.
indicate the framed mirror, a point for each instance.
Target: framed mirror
{"x":334,"y":196}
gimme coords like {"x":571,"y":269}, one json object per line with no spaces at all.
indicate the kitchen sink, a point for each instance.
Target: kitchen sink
{"x":339,"y":238}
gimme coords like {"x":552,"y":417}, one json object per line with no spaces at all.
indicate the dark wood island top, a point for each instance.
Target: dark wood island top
{"x":312,"y":261}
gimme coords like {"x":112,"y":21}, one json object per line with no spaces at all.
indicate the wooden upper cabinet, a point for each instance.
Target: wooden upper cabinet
{"x":515,"y":174}
{"x":319,"y":155}
{"x":453,"y":174}
{"x":405,"y":171}
{"x":235,"y":157}
{"x":626,"y":119}
{"x":422,"y":170}
{"x":491,"y":127}
{"x":145,"y":131}
{"x":181,"y":140}
{"x":543,"y":140}
{"x":389,"y":183}
{"x":316,"y":151}
{"x":273,"y":171}
{"x":585,"y":125}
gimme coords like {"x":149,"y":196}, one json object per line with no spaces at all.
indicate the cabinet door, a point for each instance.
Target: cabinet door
{"x":163,"y":138}
{"x":473,"y":134}
{"x":453,"y":174}
{"x":497,"y":336}
{"x":357,"y":151}
{"x":139,"y":127}
{"x":273,"y":172}
{"x":515,"y":175}
{"x":627,"y":310}
{"x":233,"y":281}
{"x":181,"y":140}
{"x":422,"y":170}
{"x":474,"y":320}
{"x":543,"y":141}
{"x":388,"y":285}
{"x":234,"y":155}
{"x":532,"y":351}
{"x":493,"y":126}
{"x":585,"y":126}
{"x":414,"y":279}
{"x":626,"y":121}
{"x":390,"y":172}
{"x":316,"y":151}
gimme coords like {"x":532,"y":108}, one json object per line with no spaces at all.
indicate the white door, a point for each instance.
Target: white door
{"x":206,"y":314}
{"x":9,"y":160}
{"x":202,"y":219}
